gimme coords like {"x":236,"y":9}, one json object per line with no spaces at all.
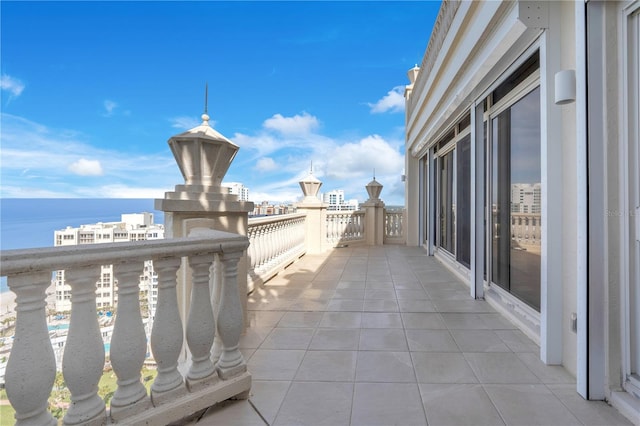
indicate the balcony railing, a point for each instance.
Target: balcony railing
{"x":394,"y":227}
{"x":217,"y":370}
{"x":275,"y":242}
{"x":345,"y":227}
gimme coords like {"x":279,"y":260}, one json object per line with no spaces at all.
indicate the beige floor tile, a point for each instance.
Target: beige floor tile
{"x":263,"y":318}
{"x":440,"y":367}
{"x":479,"y":341}
{"x":431,"y":341}
{"x":461,"y":321}
{"x":387,"y":404}
{"x":288,"y":338}
{"x":267,"y":396}
{"x":231,"y":413}
{"x":300,"y":319}
{"x":380,"y":293}
{"x":335,"y":339}
{"x":355,"y":285}
{"x":328,"y":366}
{"x":416,"y":306}
{"x":517,"y":341}
{"x":381,"y":320}
{"x":269,"y":364}
{"x":418,"y":294}
{"x":423,"y":320}
{"x":345,"y":305}
{"x":458,"y":405}
{"x":380,"y":305}
{"x":384,"y":366}
{"x":372,"y":339}
{"x":546,"y":373}
{"x":529,"y":405}
{"x":254,"y":336}
{"x":500,"y":367}
{"x":316,"y":403}
{"x":349,"y":293}
{"x":341,"y":320}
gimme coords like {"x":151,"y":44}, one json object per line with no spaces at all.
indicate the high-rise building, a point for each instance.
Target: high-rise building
{"x":238,"y":189}
{"x":132,"y":227}
{"x":336,"y":201}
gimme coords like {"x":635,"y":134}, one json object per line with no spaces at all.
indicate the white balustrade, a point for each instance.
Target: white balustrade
{"x":231,"y":362}
{"x":201,"y":324}
{"x":83,"y":359}
{"x":275,"y":242}
{"x":31,"y":369}
{"x":394,"y":226}
{"x":30,"y":372}
{"x":345,"y":226}
{"x":128,"y":344}
{"x":167,"y":334}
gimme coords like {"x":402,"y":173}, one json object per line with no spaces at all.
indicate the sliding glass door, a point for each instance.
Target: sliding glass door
{"x":516,"y":198}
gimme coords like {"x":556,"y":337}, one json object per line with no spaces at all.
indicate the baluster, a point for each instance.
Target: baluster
{"x":260,"y":247}
{"x":31,"y":369}
{"x":83,"y":359}
{"x":215,"y":303}
{"x":128,"y":345}
{"x":230,"y":318}
{"x":167,"y":335}
{"x":271,"y":243}
{"x":252,"y":249}
{"x":200,"y":325}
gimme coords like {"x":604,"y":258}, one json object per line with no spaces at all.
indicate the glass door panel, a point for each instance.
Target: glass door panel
{"x":516,"y":199}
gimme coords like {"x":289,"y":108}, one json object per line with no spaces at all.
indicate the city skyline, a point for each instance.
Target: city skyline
{"x":89,"y":115}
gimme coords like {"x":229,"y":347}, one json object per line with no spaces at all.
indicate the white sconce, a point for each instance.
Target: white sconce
{"x":565,"y":87}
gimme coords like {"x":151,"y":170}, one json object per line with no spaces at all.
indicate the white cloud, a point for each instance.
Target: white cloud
{"x":34,"y":169}
{"x":84,"y":167}
{"x":187,"y":122}
{"x":11,"y":84}
{"x":266,"y":164}
{"x":293,"y":126}
{"x":393,"y":101}
{"x":109,"y":107}
{"x":360,"y":158}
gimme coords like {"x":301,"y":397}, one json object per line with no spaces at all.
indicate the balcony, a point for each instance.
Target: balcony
{"x":386,"y":335}
{"x":359,"y":334}
{"x":312,"y":318}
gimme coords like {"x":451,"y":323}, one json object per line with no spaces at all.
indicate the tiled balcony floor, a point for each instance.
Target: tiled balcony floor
{"x":386,"y":335}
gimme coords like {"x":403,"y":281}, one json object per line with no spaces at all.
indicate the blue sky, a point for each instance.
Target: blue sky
{"x":92,"y":91}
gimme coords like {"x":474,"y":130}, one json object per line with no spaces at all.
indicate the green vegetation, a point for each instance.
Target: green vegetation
{"x":61,"y":397}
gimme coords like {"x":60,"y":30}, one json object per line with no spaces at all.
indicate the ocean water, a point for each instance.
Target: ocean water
{"x":31,"y":222}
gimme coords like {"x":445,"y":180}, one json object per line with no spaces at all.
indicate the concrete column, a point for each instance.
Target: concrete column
{"x":316,"y":211}
{"x":204,"y":156}
{"x":374,"y":215}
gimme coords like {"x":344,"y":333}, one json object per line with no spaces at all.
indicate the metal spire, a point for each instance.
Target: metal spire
{"x":206,"y":95}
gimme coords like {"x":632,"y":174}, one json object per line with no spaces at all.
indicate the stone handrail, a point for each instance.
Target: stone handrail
{"x":275,"y":242}
{"x":394,"y":227}
{"x":345,"y":227}
{"x":31,"y":368}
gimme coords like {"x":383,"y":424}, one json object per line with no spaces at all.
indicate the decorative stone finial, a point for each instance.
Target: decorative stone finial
{"x":374,"y":188}
{"x":203,"y":154}
{"x":310,"y":186}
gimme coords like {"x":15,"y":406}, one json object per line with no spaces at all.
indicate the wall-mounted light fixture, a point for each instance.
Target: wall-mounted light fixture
{"x":565,"y":87}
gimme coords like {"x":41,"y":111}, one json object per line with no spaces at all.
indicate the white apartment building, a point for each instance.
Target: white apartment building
{"x":525,"y":198}
{"x":132,"y":227}
{"x":335,"y":200}
{"x":237,"y":188}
